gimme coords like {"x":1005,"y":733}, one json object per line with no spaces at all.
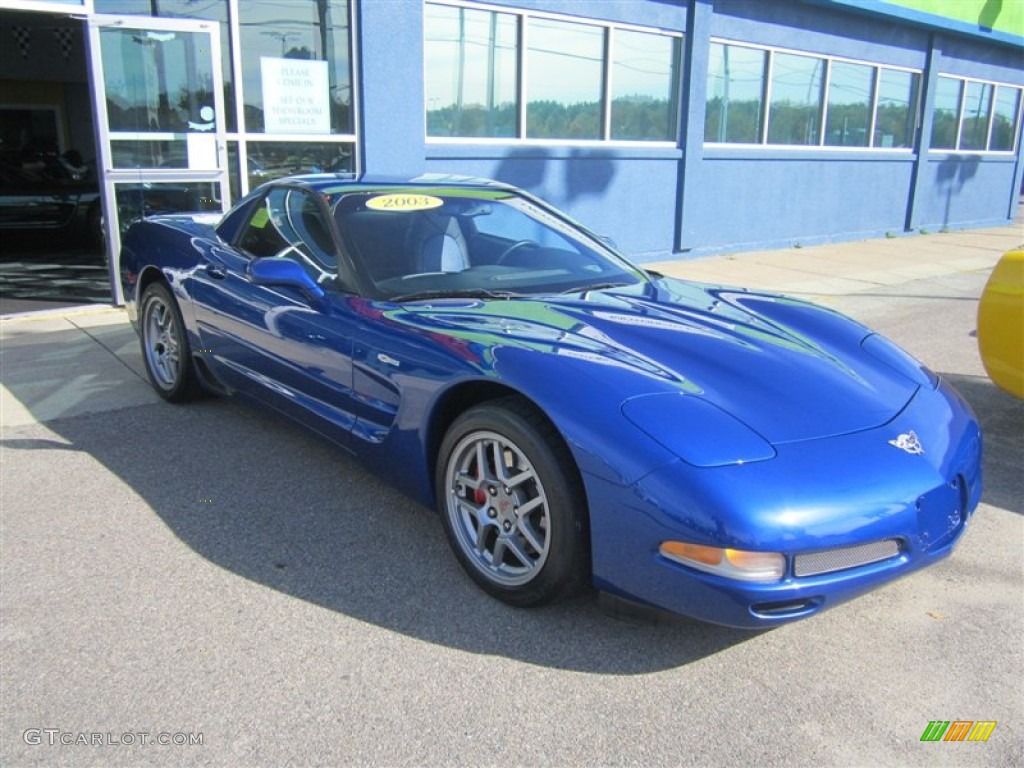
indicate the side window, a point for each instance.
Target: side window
{"x":288,"y":224}
{"x":309,"y":230}
{"x":260,"y":238}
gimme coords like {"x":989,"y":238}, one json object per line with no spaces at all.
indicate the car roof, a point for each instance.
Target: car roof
{"x":334,"y":185}
{"x":330,"y":182}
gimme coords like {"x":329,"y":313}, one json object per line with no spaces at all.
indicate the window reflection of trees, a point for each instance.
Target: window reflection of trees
{"x":972,"y":115}
{"x":207,"y":10}
{"x":735,"y":110}
{"x":573,"y":70}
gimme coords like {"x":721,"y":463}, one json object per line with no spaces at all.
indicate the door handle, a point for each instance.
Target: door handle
{"x":216,"y":271}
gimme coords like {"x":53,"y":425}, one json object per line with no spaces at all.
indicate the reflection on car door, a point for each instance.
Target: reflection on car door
{"x":273,"y":342}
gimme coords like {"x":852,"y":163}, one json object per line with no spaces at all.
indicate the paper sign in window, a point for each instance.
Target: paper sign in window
{"x":202,"y":151}
{"x":295,"y":96}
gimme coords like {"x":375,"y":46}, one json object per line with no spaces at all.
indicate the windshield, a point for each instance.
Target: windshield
{"x":430,"y":242}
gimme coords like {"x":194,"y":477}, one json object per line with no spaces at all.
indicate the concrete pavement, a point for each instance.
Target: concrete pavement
{"x":213,"y":571}
{"x":853,"y":267}
{"x":69,"y":363}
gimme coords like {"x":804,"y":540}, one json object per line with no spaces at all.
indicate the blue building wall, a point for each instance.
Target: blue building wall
{"x":782,"y":198}
{"x":803,"y":196}
{"x":629,"y":196}
{"x":390,"y":78}
{"x":816,"y":29}
{"x":959,"y":190}
{"x":690,"y":200}
{"x":664,"y":14}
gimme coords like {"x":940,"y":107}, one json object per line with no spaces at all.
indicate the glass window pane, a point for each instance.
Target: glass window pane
{"x":471,"y":72}
{"x":130,"y":153}
{"x":849,"y":104}
{"x":564,"y":81}
{"x":974,"y":131}
{"x":895,"y":116}
{"x":289,"y":225}
{"x":234,"y":173}
{"x":461,"y":242}
{"x":156,"y":81}
{"x":644,"y":86}
{"x":735,"y":92}
{"x":269,"y":160}
{"x":138,"y":201}
{"x":1004,"y":119}
{"x":946,"y":113}
{"x":794,"y":115}
{"x":212,"y":10}
{"x":285,"y":41}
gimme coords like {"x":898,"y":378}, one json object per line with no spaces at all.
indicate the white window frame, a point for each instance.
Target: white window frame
{"x":771,"y":50}
{"x":522,"y":25}
{"x":241,"y":136}
{"x":996,"y":85}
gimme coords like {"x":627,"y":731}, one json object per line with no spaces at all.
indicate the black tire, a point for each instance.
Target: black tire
{"x":165,"y":348}
{"x":518,"y":527}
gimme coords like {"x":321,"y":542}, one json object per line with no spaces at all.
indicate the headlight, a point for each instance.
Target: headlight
{"x":730,"y":563}
{"x":695,"y":430}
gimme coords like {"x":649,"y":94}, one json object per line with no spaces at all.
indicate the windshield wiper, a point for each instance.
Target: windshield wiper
{"x":595,"y":287}
{"x":455,"y":293}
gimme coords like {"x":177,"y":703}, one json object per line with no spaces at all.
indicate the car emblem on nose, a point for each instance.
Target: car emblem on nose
{"x":909,"y":443}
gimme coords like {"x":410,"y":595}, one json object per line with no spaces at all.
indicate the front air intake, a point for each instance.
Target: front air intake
{"x":841,"y":558}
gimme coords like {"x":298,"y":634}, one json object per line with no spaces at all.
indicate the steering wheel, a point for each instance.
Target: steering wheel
{"x":515,"y":246}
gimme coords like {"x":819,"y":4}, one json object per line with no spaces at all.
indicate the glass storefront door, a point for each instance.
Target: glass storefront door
{"x":160,"y":120}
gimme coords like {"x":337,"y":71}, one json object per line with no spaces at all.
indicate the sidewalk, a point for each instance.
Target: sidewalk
{"x":70,"y":362}
{"x":853,"y":267}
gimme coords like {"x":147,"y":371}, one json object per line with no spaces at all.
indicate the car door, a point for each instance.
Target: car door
{"x":284,"y":346}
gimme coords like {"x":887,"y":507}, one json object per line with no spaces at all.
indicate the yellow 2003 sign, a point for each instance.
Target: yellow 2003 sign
{"x":403,"y":202}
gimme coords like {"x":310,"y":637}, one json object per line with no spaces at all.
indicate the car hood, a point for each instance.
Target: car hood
{"x":788,"y":369}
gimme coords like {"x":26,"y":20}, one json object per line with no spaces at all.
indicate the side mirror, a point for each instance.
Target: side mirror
{"x":284,"y":273}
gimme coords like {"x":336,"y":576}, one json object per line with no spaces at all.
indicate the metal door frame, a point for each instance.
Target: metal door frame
{"x":110,"y":176}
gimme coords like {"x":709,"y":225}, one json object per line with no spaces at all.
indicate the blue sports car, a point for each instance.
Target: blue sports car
{"x":734,"y":456}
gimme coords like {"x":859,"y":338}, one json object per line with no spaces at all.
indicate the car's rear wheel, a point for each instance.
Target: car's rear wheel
{"x":512,"y":504}
{"x":165,"y":347}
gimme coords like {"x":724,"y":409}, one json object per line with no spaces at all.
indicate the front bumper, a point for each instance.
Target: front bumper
{"x":822,"y":496}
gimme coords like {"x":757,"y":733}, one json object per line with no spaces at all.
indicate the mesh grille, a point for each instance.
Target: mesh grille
{"x":838,"y":559}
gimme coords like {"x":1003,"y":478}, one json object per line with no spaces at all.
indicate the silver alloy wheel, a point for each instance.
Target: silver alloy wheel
{"x":160,"y":336}
{"x":497,"y":508}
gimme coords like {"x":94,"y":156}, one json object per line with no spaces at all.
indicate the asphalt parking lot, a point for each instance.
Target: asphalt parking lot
{"x":211,"y":573}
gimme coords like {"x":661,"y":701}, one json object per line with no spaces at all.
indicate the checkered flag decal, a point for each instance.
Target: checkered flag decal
{"x":65,"y":38}
{"x":23,"y":39}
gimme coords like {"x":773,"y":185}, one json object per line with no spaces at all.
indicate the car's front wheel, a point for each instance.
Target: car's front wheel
{"x":165,"y":347}
{"x":512,"y":504}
